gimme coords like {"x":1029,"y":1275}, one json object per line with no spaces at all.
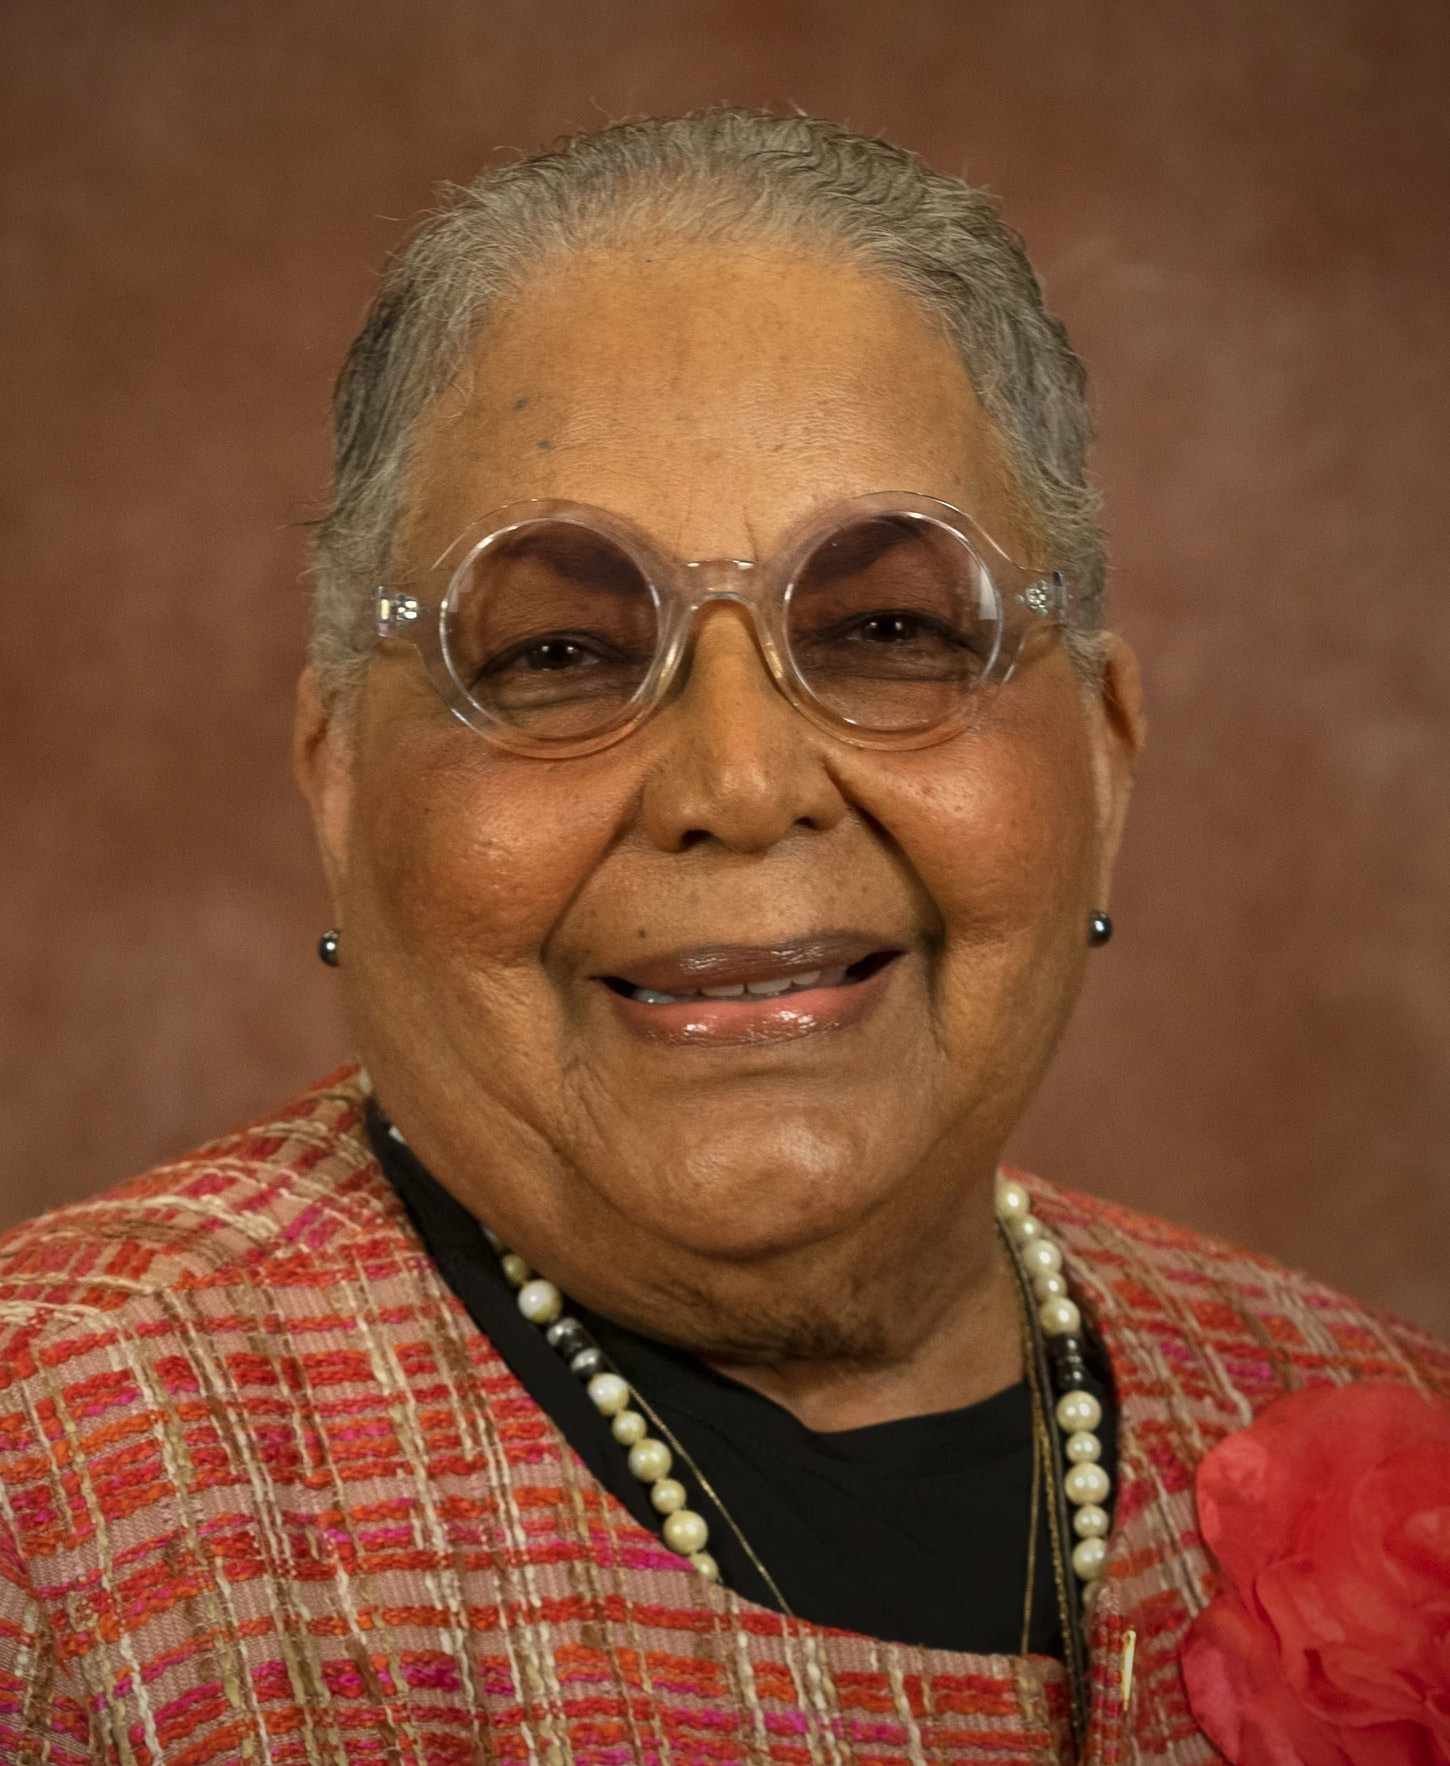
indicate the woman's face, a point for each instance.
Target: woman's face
{"x":733,"y":1171}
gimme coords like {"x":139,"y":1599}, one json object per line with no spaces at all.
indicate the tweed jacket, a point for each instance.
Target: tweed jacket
{"x":269,"y":1496}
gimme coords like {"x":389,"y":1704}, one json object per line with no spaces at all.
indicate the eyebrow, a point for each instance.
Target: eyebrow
{"x":589,"y":559}
{"x":860,"y":545}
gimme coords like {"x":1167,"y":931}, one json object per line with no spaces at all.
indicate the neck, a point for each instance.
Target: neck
{"x":966,"y":1348}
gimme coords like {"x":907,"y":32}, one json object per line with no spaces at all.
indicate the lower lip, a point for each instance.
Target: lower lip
{"x":784,"y":1017}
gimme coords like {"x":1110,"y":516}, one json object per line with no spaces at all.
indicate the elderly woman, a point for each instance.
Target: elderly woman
{"x":718,"y":765}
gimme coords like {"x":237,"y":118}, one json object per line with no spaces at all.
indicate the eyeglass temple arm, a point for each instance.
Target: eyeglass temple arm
{"x":394,"y":612}
{"x":1050,"y":597}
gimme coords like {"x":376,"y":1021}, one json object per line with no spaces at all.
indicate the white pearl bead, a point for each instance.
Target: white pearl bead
{"x":649,"y":1459}
{"x":1083,"y":1448}
{"x":1090,"y":1521}
{"x":1060,"y":1317}
{"x":706,"y":1565}
{"x":685,"y":1532}
{"x":1078,"y":1410}
{"x":540,"y":1302}
{"x":1087,"y":1483}
{"x":1012,"y":1199}
{"x":1025,"y":1229}
{"x":1049,"y":1287}
{"x":667,"y":1494}
{"x":1042,"y":1256}
{"x":608,"y":1393}
{"x":516,"y":1270}
{"x":628,"y":1427}
{"x":1088,"y":1556}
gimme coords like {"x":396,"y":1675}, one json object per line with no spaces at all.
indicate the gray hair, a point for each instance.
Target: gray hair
{"x":719,"y":175}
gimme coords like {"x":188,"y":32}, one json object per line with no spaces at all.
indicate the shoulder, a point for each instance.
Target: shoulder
{"x":208,"y":1330}
{"x":303,"y":1175}
{"x":1261,"y":1327}
{"x":246,"y":1253}
{"x":214,"y":1376}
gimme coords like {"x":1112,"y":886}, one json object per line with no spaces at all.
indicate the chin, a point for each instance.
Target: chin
{"x":767,"y":1196}
{"x":761,"y":1329}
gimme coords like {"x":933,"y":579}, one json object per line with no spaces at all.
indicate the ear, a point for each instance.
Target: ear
{"x":322,"y":766}
{"x":1120,"y":730}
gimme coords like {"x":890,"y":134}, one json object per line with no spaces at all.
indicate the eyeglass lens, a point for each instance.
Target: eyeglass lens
{"x":889,"y":623}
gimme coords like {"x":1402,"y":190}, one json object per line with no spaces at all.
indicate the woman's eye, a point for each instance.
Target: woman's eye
{"x":554,"y":654}
{"x":890,"y":628}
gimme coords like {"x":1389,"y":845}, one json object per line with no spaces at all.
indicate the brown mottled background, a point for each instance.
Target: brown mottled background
{"x":1243,"y":211}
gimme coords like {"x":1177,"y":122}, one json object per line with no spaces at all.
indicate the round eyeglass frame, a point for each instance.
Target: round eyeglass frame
{"x":681,"y":589}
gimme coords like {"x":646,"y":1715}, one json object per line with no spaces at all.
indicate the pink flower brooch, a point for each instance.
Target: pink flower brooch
{"x":1329,"y":1641}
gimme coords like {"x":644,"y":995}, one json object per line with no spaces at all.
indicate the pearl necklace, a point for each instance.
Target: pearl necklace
{"x":650,"y":1459}
{"x":1077,"y":1412}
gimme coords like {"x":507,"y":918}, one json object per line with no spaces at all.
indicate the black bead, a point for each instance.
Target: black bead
{"x":587,"y":1363}
{"x":1100,"y":929}
{"x":329,"y":946}
{"x":568,"y":1336}
{"x":1069,"y":1369}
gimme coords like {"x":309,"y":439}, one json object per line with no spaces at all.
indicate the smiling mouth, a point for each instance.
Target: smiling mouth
{"x":748,"y":976}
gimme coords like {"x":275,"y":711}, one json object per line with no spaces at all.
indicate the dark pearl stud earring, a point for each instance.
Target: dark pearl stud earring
{"x":328,"y":947}
{"x":1100,"y":930}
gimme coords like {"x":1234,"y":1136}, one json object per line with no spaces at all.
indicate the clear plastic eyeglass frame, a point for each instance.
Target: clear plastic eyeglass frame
{"x":1023,"y":599}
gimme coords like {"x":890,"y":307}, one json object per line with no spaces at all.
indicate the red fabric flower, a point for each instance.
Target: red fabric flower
{"x":1329,"y":1644}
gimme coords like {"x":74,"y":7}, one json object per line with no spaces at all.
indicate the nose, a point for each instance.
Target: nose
{"x":736,"y":764}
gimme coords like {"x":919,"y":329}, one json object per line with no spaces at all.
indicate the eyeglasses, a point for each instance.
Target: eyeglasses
{"x":563,"y":627}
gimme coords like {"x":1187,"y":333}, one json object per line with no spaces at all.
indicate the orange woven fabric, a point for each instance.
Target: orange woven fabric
{"x":268,"y":1496}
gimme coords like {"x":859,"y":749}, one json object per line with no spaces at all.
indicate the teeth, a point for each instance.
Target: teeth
{"x":650,"y":996}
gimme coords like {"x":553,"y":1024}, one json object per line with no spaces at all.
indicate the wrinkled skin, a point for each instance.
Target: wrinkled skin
{"x":812,"y":1216}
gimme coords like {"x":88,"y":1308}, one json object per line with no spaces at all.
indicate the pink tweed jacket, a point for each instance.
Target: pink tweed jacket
{"x":269,"y":1496}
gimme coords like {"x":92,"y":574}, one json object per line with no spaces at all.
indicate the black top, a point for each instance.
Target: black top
{"x":914,"y":1531}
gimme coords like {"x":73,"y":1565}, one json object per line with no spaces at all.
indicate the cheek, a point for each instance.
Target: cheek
{"x":1000,"y":830}
{"x":1000,"y":827}
{"x":472,"y":855}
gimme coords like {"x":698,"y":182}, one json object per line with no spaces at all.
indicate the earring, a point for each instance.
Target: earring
{"x":328,"y":947}
{"x":1100,"y":930}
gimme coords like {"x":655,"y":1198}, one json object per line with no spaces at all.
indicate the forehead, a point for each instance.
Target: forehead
{"x":712,"y":395}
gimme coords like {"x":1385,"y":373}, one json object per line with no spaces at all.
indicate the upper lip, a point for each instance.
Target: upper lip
{"x":728,"y":965}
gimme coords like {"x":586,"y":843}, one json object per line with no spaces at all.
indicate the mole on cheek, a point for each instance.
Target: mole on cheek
{"x":521,"y":404}
{"x":546,"y":445}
